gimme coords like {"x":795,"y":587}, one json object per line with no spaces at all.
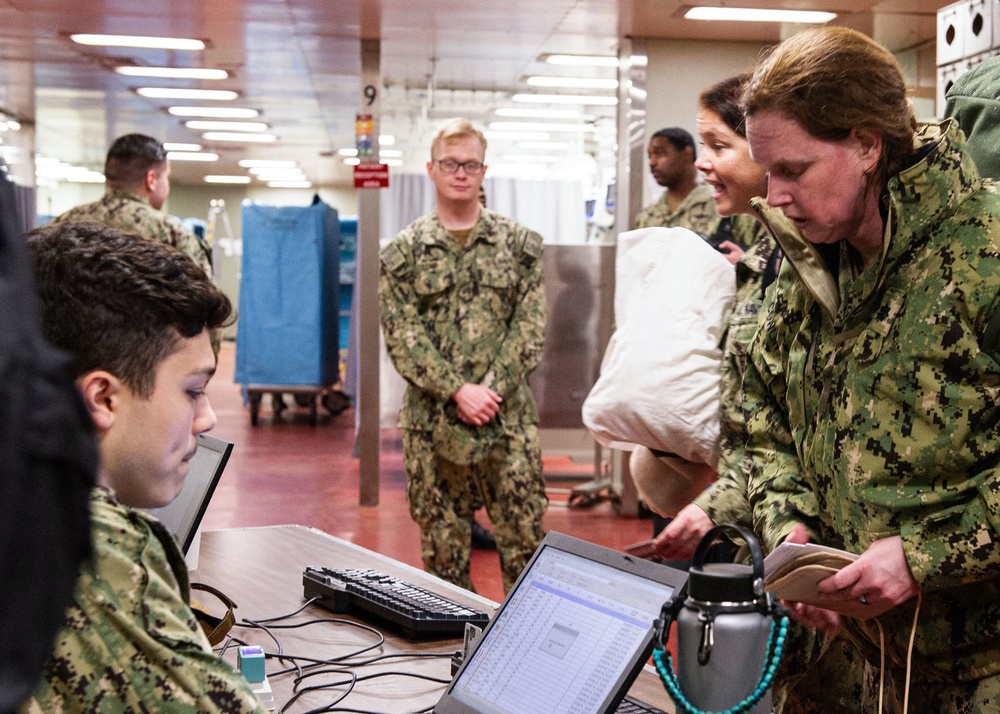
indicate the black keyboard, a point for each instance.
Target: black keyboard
{"x":418,"y":613}
{"x":634,"y":706}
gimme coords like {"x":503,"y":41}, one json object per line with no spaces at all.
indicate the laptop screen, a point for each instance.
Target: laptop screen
{"x":571,"y":636}
{"x":182,"y":516}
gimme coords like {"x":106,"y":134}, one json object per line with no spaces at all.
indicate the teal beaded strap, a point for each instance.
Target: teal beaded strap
{"x":775,"y":647}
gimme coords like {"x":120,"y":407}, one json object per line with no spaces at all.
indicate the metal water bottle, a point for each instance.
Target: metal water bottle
{"x":730,"y":634}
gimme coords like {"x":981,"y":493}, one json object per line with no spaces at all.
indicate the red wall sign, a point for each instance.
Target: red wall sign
{"x":371,"y":176}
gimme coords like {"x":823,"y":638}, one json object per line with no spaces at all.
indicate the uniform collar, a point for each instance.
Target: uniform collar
{"x":128,"y":195}
{"x":484,"y":229}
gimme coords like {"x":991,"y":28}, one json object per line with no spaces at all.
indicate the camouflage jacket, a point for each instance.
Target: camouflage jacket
{"x":454,"y":315}
{"x":128,"y":212}
{"x":131,"y":642}
{"x":696,"y":212}
{"x":726,"y":500}
{"x":873,"y":405}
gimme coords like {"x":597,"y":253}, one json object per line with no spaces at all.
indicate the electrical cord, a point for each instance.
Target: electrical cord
{"x":305,"y":667}
{"x":354,"y":680}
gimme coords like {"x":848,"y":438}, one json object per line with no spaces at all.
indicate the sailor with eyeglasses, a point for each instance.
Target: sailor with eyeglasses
{"x":463,"y":314}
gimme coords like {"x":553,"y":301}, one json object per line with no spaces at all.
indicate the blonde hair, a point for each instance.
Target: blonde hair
{"x":457,"y":128}
{"x":832,"y":80}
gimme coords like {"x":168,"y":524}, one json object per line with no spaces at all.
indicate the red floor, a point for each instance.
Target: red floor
{"x":285,"y":471}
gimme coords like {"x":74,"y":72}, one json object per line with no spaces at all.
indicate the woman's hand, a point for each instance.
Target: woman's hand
{"x":732,"y":251}
{"x":879,"y":580}
{"x":682,"y":535}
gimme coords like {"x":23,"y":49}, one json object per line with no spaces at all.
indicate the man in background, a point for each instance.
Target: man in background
{"x":137,"y":183}
{"x":686,"y":203}
{"x":135,"y":316}
{"x":463,"y":314}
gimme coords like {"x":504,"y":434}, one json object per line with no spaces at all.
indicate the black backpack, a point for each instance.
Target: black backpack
{"x":49,"y":459}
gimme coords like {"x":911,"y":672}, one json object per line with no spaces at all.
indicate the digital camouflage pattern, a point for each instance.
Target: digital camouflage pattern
{"x":981,"y":695}
{"x":443,"y":497}
{"x":818,"y":674}
{"x":726,"y":500}
{"x":131,"y":642}
{"x":452,"y":316}
{"x":873,"y":406}
{"x":696,"y":212}
{"x":128,"y":212}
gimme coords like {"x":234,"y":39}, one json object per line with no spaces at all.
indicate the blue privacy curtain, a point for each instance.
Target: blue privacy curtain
{"x":287,"y":332}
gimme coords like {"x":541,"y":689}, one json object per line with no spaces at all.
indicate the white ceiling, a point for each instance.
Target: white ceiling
{"x":298,"y":62}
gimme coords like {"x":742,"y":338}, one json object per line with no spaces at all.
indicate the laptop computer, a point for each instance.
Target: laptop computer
{"x":183,"y":515}
{"x":570,"y":637}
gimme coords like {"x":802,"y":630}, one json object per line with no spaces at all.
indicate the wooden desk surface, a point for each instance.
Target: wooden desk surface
{"x":261,"y":570}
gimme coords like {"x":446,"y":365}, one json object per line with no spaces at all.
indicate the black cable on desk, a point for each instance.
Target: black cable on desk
{"x":354,"y":681}
{"x":399,"y":655}
{"x":341,"y":660}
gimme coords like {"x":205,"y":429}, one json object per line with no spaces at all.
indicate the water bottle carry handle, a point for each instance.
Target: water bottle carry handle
{"x":756,"y":553}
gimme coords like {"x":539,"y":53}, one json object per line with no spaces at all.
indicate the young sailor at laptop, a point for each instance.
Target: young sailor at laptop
{"x":135,"y":315}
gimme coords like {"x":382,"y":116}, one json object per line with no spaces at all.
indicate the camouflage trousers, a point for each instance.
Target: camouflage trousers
{"x":980,"y":696}
{"x":444,"y":496}
{"x":818,"y":675}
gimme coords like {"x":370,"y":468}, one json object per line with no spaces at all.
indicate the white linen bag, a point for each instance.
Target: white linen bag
{"x":659,"y":381}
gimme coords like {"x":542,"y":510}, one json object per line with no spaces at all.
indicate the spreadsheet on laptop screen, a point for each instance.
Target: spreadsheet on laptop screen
{"x":564,"y":640}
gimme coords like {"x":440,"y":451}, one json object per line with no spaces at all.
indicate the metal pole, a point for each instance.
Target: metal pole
{"x":632,"y":61}
{"x":369,"y":433}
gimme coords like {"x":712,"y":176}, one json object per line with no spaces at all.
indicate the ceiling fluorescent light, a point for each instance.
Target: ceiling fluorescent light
{"x":746,"y":14}
{"x":386,"y":140}
{"x":352,"y":161}
{"x":238,"y":136}
{"x":267,"y":164}
{"x":274,"y":169}
{"x":545,"y":145}
{"x":391,"y":162}
{"x":582,"y":99}
{"x":530,"y":172}
{"x":168,"y":146}
{"x":390,"y":153}
{"x":538,"y":126}
{"x":290,"y":184}
{"x":538,"y":113}
{"x":209,"y":125}
{"x":278,"y":174}
{"x":192,"y":156}
{"x":214,"y":112}
{"x":347,"y":152}
{"x":172,"y":93}
{"x":267,"y":178}
{"x":172,"y":72}
{"x":157,"y":43}
{"x":86,"y":177}
{"x":529,"y":158}
{"x":583,"y":60}
{"x":516,"y":135}
{"x":227,"y":179}
{"x":573,"y":82}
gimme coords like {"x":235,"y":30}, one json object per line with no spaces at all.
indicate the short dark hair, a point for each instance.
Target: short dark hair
{"x":679,"y":138}
{"x":725,"y":98}
{"x":119,"y":302}
{"x":130,"y":158}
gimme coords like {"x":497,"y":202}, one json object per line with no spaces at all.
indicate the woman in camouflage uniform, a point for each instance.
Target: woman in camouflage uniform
{"x":872,"y":390}
{"x":735,"y":179}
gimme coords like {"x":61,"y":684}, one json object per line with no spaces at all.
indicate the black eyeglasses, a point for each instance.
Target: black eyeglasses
{"x":450,"y":166}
